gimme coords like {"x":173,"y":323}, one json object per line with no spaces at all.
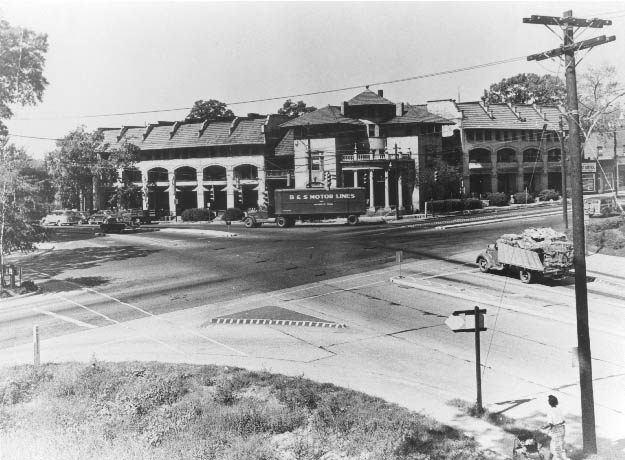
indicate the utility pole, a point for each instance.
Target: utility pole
{"x":565,"y":205}
{"x":615,"y":177}
{"x":567,"y":22}
{"x":309,"y":158}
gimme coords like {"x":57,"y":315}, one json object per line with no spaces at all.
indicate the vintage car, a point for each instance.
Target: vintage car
{"x":61,"y":217}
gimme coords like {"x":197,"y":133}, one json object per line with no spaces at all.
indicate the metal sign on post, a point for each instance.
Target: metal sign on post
{"x":471,"y":321}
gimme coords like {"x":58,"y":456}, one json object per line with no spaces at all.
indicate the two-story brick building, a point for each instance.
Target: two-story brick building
{"x":217,"y":164}
{"x":603,"y":168}
{"x":506,"y":147}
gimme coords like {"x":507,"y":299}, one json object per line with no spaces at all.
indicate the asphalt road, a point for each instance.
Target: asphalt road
{"x":169,"y":270}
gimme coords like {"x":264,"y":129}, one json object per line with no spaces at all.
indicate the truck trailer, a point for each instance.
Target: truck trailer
{"x":310,"y":204}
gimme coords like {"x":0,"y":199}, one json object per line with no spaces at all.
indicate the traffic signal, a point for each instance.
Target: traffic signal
{"x":264,"y":199}
{"x":328,"y":179}
{"x":435,"y":175}
{"x":211,"y":192}
{"x":239,"y":197}
{"x":365,"y":179}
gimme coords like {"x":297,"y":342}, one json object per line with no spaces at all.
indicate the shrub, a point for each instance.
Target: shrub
{"x":233,"y":214}
{"x":472,"y":203}
{"x":548,"y":194}
{"x":196,"y":214}
{"x":523,"y":197}
{"x":614,"y":239}
{"x":498,"y":199}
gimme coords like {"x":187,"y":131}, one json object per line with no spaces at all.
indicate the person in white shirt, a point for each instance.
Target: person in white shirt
{"x":555,"y":427}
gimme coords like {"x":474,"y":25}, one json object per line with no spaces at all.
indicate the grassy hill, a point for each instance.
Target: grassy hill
{"x":159,"y":411}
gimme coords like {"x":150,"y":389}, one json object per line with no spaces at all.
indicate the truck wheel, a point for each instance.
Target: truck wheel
{"x":249,"y":222}
{"x":352,"y":219}
{"x":482,"y":263}
{"x":282,"y":222}
{"x":526,"y":276}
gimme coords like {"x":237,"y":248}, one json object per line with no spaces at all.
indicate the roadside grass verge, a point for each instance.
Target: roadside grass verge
{"x":162,"y":411}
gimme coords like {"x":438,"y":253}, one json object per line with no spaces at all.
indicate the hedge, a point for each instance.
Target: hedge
{"x":523,"y":197}
{"x":497,"y":199}
{"x":455,"y":204}
{"x":197,"y":214}
{"x":233,"y":214}
{"x":548,"y":194}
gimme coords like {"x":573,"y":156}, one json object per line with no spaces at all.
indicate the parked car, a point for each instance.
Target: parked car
{"x":61,"y":217}
{"x":113,"y":225}
{"x":98,"y":217}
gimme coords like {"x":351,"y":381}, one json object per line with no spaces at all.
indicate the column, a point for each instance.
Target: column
{"x":387,"y":203}
{"x":261,"y":186}
{"x":172,"y":192}
{"x":545,"y":175}
{"x":400,"y":195}
{"x":145,"y":190}
{"x":520,"y":177}
{"x":371,"y":204}
{"x":200,"y":187}
{"x":355,"y":178}
{"x":230,"y":187}
{"x":494,"y":181}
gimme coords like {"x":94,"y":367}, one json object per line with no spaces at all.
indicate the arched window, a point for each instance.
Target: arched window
{"x":506,"y":155}
{"x":186,"y":174}
{"x":479,"y":156}
{"x":246,"y":172}
{"x":531,"y":155}
{"x":215,"y":173}
{"x":157,"y":175}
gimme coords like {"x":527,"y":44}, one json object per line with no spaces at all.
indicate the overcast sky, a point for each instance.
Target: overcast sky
{"x":111,"y":57}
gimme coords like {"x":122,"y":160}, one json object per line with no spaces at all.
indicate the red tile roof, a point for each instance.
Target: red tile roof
{"x":504,"y":116}
{"x":162,"y":136}
{"x":325,"y":116}
{"x":368,"y":97}
{"x":417,"y":114}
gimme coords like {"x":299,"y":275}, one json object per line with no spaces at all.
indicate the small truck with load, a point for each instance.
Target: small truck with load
{"x":534,"y":253}
{"x":312,"y":204}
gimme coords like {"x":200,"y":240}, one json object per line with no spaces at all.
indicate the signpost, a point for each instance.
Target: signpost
{"x":471,"y":321}
{"x":399,"y":256}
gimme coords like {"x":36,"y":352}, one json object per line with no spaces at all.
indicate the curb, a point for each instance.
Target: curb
{"x":277,"y":322}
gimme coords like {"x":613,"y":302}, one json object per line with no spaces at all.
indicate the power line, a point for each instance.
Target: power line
{"x":312,"y":93}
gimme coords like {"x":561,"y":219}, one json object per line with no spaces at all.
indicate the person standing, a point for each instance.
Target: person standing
{"x":556,"y":430}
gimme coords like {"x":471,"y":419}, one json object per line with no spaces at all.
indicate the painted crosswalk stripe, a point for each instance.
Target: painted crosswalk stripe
{"x":65,"y":318}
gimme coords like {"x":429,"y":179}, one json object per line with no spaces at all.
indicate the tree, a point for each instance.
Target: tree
{"x":528,"y":88}
{"x":439,"y":181}
{"x":293,"y":109}
{"x":15,"y":230}
{"x":210,"y":110}
{"x":599,"y":95}
{"x":22,"y":57}
{"x":82,"y":163}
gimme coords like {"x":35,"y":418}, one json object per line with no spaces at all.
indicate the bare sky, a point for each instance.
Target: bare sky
{"x":110,"y":57}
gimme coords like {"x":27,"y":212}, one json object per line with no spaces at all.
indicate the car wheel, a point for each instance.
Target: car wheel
{"x":282,"y":222}
{"x":525,"y":276}
{"x":249,"y":222}
{"x":352,"y":219}
{"x":482,"y":263}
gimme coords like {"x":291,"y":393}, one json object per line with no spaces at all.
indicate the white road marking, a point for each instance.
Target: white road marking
{"x":147,"y":313}
{"x":67,"y":319}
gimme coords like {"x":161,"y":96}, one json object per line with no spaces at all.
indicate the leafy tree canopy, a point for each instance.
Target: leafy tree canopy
{"x":209,"y":110}
{"x":295,"y":109}
{"x":22,"y":57}
{"x":80,"y":157}
{"x":528,"y":88}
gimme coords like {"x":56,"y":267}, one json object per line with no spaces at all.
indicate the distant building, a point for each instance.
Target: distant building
{"x":603,"y":166}
{"x":506,"y":148}
{"x":367,"y":141}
